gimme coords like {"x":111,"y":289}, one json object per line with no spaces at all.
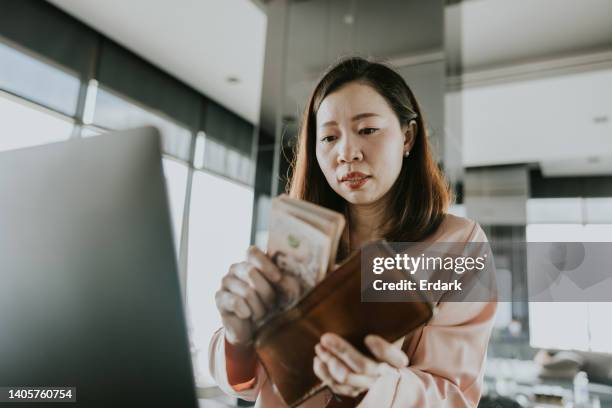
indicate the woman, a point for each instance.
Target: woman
{"x":363,"y":150}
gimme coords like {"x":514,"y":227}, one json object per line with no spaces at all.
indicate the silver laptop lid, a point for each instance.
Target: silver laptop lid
{"x":89,"y":290}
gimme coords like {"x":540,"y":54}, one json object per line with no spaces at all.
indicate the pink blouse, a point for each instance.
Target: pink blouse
{"x":446,"y":355}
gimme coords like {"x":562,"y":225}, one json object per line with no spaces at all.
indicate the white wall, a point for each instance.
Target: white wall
{"x":538,"y":120}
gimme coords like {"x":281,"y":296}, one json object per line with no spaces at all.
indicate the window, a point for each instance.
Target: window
{"x":548,"y":330}
{"x":115,"y":112}
{"x":39,"y":104}
{"x":37,"y":81}
{"x":219,"y":234}
{"x":571,"y":210}
{"x":589,"y":321}
{"x":24,"y":124}
{"x":200,"y":144}
{"x":89,"y":131}
{"x":554,"y":210}
{"x":214,"y":156}
{"x":175,"y":173}
{"x":598,"y":210}
{"x":599,"y":325}
{"x":222,"y":159}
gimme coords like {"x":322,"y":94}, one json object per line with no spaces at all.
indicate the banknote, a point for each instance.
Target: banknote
{"x":300,"y":251}
{"x":303,"y":241}
{"x":331,"y":223}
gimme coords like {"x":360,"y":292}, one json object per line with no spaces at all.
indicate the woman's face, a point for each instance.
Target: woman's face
{"x":360,"y":143}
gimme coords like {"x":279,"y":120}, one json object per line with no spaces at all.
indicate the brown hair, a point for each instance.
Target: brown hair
{"x":419,"y":198}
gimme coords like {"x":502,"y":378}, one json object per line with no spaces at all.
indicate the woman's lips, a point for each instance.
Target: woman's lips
{"x":355,"y":180}
{"x":355,"y":184}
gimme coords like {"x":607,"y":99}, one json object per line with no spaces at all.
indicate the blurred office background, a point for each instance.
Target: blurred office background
{"x":517,"y":95}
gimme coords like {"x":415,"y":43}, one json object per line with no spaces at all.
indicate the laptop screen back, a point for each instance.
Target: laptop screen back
{"x":89,"y":290}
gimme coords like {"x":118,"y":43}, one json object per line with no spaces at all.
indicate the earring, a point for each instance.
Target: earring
{"x":406,"y":153}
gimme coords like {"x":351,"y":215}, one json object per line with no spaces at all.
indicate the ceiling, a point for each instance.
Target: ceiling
{"x":483,"y":34}
{"x":484,"y":42}
{"x":201,"y":42}
{"x":470,"y":36}
{"x":567,"y":46}
{"x":319,"y":32}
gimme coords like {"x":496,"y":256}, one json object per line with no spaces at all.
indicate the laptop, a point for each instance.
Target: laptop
{"x":90,"y":298}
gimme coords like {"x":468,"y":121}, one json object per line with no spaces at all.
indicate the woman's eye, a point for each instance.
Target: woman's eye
{"x":368,"y":131}
{"x":328,"y":139}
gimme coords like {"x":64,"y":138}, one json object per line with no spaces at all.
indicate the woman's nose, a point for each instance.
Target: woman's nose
{"x":349,"y":151}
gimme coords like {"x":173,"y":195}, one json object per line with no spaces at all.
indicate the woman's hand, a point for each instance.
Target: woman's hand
{"x":246,"y":295}
{"x":348,"y":372}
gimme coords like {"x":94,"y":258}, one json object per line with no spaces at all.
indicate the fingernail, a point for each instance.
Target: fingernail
{"x":370,"y":339}
{"x":275,"y":276}
{"x":342,"y":373}
{"x":327,"y":339}
{"x":245,"y":313}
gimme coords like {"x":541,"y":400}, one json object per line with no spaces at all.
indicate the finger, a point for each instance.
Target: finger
{"x":386,"y":352}
{"x":343,"y":374}
{"x":261,"y":261}
{"x":336,"y":368}
{"x":341,"y":389}
{"x":290,"y":289}
{"x":253,"y":277}
{"x":322,"y":371}
{"x":236,"y":331}
{"x":360,"y":381}
{"x":245,"y":291}
{"x":228,"y":302}
{"x":342,"y":349}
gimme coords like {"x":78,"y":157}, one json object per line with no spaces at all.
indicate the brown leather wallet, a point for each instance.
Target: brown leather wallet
{"x":285,"y":344}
